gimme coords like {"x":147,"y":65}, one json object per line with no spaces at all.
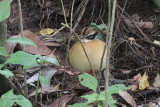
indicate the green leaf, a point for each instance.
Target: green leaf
{"x":22,"y":58}
{"x":100,"y":27}
{"x":43,"y":80}
{"x":51,"y":60}
{"x":91,"y":98}
{"x":111,"y":101}
{"x":48,"y":60}
{"x":7,"y":73}
{"x":80,"y":105}
{"x":4,"y":10}
{"x":27,"y":67}
{"x":88,"y":81}
{"x":22,"y":101}
{"x":8,"y":99}
{"x":23,"y":41}
{"x":1,"y":65}
{"x":3,"y":51}
{"x":115,"y":88}
{"x":99,"y":105}
{"x":101,"y":96}
{"x":112,"y":90}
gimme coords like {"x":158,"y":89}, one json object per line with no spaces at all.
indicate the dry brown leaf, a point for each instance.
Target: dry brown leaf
{"x":134,"y":87}
{"x":63,"y":100}
{"x":127,"y":97}
{"x":53,"y":44}
{"x":40,"y":49}
{"x":10,"y":46}
{"x":18,"y":76}
{"x":147,"y":25}
{"x":33,"y":69}
{"x":45,"y":89}
{"x":137,"y":77}
{"x":125,"y":71}
{"x":46,"y":72}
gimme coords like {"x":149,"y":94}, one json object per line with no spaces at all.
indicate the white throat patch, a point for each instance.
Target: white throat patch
{"x":85,"y":40}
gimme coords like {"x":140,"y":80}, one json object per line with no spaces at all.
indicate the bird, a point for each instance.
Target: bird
{"x":94,"y":49}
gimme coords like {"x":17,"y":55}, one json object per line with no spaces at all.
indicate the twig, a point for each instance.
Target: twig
{"x":20,"y":91}
{"x":80,"y":16}
{"x":65,"y":19}
{"x":119,"y":20}
{"x":135,"y":24}
{"x":21,"y":27}
{"x":110,"y":32}
{"x":58,"y":31}
{"x":67,"y":49}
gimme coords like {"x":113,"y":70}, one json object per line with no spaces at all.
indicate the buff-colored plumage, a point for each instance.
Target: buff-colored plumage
{"x":94,"y":49}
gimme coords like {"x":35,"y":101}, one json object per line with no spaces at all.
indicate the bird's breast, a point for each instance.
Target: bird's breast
{"x":94,"y":50}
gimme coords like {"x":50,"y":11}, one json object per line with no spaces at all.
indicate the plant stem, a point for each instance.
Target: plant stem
{"x":21,"y":28}
{"x":38,"y":82}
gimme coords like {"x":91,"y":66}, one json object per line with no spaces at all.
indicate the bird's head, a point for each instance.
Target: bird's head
{"x":88,"y":33}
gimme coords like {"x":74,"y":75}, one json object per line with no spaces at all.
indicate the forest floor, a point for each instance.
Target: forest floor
{"x":135,"y":51}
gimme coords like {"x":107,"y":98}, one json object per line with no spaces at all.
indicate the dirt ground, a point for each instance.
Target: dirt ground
{"x":138,"y":58}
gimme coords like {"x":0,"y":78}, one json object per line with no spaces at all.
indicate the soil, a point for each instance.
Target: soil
{"x":122,"y":57}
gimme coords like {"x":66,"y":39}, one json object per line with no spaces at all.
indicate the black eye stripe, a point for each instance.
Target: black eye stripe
{"x":92,"y":36}
{"x":85,"y":31}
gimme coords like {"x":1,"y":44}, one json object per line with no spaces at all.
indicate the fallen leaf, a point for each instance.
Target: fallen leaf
{"x":18,"y":76}
{"x":132,"y":40}
{"x":10,"y":46}
{"x":45,"y":89}
{"x":137,"y":77}
{"x":51,"y":56}
{"x":135,"y":17}
{"x":46,"y":72}
{"x":52,"y":44}
{"x":63,"y":101}
{"x":143,"y":83}
{"x":40,"y":49}
{"x":156,"y":42}
{"x":71,"y":72}
{"x":46,"y":31}
{"x":156,"y":82}
{"x":125,"y":71}
{"x":147,"y":25}
{"x":134,"y":87}
{"x":35,"y":68}
{"x":33,"y":78}
{"x":127,"y":97}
